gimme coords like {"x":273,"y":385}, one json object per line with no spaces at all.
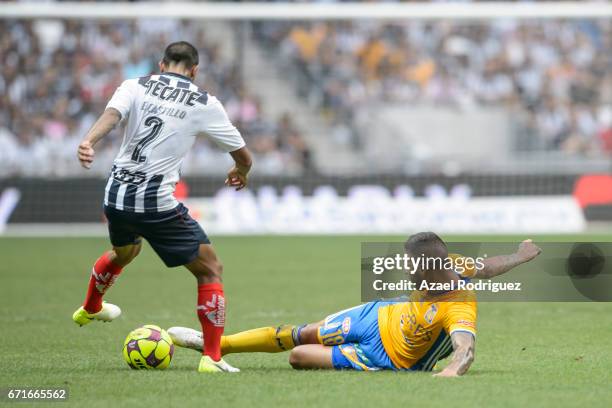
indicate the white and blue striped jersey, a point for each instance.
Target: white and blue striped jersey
{"x":164,"y":114}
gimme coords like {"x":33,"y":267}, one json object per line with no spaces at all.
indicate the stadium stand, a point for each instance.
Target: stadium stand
{"x":57,"y":76}
{"x":418,"y":109}
{"x":553,"y":97}
{"x":552,"y":76}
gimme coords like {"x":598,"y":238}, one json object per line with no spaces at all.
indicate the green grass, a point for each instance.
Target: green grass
{"x":528,"y":354}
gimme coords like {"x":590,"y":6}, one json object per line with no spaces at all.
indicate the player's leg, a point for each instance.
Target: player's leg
{"x":208,"y":270}
{"x":126,"y":241}
{"x":104,"y":273}
{"x":306,"y":353}
{"x":271,"y":339}
{"x":180,"y":241}
{"x":275,"y":339}
{"x":335,"y":342}
{"x":348,"y":339}
{"x":311,"y":356}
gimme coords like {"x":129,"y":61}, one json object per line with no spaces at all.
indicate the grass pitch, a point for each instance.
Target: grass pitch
{"x":527,"y":354}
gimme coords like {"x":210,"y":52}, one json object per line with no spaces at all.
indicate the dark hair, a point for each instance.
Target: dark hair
{"x":428,"y":244}
{"x":181,"y":52}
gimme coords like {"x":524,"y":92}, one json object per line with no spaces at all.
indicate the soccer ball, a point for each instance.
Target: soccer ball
{"x":148,"y":347}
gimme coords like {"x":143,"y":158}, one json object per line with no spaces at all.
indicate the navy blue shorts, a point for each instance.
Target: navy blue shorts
{"x":173,"y":234}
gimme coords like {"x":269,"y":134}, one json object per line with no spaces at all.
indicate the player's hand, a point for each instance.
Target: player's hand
{"x":86,"y":154}
{"x":527,"y":250}
{"x":446,"y":373}
{"x":236,"y":178}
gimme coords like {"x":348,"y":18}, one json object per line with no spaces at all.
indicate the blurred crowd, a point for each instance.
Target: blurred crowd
{"x":56,"y":77}
{"x":555,"y":76}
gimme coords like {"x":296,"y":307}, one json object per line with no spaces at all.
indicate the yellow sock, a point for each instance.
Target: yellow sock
{"x":264,"y":339}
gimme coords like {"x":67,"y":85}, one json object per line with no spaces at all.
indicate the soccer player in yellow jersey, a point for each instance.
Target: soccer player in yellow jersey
{"x":407,"y":335}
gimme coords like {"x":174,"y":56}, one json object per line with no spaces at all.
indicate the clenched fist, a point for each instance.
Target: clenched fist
{"x":86,"y":154}
{"x":527,"y":250}
{"x":236,"y":178}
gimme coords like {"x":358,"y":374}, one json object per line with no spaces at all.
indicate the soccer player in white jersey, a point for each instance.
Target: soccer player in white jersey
{"x":164,"y":114}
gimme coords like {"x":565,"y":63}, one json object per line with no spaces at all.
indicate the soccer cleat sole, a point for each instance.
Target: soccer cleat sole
{"x":186,"y":337}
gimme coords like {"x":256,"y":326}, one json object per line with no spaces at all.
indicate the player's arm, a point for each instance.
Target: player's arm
{"x":118,"y":107}
{"x":463,"y":355}
{"x":105,"y":123}
{"x":217,"y":125}
{"x":238,"y":176}
{"x":497,"y":265}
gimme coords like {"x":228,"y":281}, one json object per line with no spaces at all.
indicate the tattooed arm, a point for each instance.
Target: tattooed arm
{"x":463,"y":355}
{"x":497,"y":265}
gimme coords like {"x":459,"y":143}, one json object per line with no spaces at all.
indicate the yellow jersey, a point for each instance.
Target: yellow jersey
{"x":416,"y":334}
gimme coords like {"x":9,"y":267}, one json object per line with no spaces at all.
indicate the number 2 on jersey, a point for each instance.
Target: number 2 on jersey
{"x":156,"y":125}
